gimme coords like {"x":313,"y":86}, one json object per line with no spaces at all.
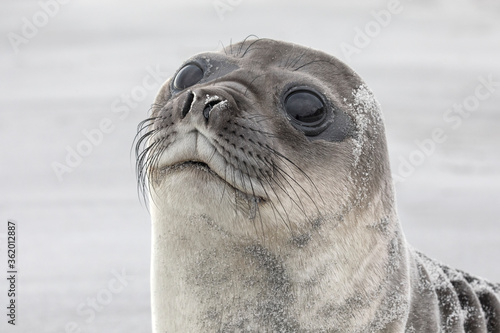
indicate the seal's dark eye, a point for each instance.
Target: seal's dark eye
{"x":188,"y":75}
{"x":305,"y":108}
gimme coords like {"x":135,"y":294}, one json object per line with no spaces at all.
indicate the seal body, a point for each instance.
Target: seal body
{"x":273,"y":208}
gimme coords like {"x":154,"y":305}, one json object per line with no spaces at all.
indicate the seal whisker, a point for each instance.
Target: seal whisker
{"x":251,"y":213}
{"x":153,"y":175}
{"x":140,"y":135}
{"x":146,"y":123}
{"x":142,"y":168}
{"x":281,"y":156}
{"x":152,"y":167}
{"x":235,"y":191}
{"x":241,"y":178}
{"x":249,"y":46}
{"x":289,"y":63}
{"x":278,"y":172}
{"x":275,"y":210}
{"x":223,"y":47}
{"x":251,"y":83}
{"x":144,"y":151}
{"x":286,"y":221}
{"x":313,"y":62}
{"x":147,"y":164}
{"x":264,"y":118}
{"x":142,"y":158}
{"x":226,"y":184}
{"x":267,"y":134}
{"x":140,"y":141}
{"x":297,"y":60}
{"x":276,"y":180}
{"x":142,"y":126}
{"x":278,"y":198}
{"x":270,"y":202}
{"x":270,"y":184}
{"x":261,"y":222}
{"x":227,"y":86}
{"x":282,"y":186}
{"x":253,"y":204}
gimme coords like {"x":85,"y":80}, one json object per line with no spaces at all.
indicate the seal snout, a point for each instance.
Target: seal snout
{"x":192,"y":102}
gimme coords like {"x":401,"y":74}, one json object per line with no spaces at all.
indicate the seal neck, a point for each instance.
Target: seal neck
{"x":202,"y":277}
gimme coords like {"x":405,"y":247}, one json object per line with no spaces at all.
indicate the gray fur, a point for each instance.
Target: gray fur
{"x":279,"y":232}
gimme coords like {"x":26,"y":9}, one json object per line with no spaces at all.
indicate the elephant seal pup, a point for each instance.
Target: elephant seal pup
{"x":273,"y":209}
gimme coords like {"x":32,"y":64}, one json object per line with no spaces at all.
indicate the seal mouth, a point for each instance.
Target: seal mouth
{"x":189,"y":164}
{"x":194,"y":151}
{"x":204,"y":167}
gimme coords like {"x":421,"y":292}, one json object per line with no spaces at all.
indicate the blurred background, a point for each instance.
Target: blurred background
{"x":77,"y":76}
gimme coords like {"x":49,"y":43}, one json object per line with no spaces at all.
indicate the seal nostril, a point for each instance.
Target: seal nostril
{"x":206,"y":111}
{"x":208,"y":108}
{"x":187,"y":104}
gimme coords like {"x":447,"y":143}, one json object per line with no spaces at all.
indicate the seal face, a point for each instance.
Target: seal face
{"x":216,"y":101}
{"x":273,"y":208}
